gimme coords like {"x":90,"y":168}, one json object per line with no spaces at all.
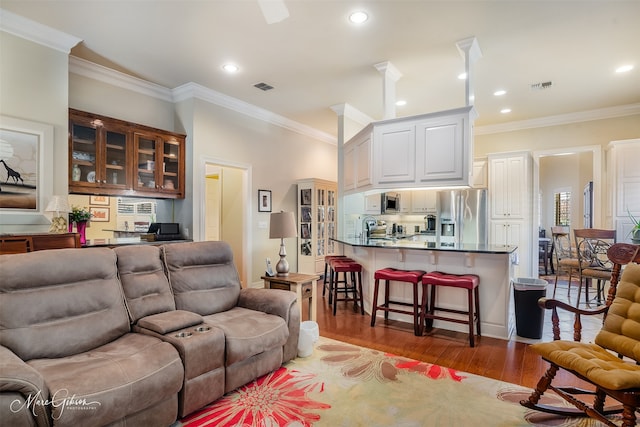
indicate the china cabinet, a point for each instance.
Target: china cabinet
{"x":112,"y":157}
{"x":317,"y":208}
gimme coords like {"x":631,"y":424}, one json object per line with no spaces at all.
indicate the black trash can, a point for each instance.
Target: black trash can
{"x":529,"y":315}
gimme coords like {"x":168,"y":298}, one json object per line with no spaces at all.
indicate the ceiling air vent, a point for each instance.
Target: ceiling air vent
{"x":263,"y":86}
{"x":541,"y":85}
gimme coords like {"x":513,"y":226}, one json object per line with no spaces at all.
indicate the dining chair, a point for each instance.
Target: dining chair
{"x":566,"y":259}
{"x":592,"y":245}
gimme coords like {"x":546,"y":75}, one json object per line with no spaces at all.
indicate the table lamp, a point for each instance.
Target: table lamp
{"x":283,"y":225}
{"x":58,"y":204}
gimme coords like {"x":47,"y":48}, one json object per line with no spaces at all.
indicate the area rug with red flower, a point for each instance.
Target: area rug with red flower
{"x":344,"y":385}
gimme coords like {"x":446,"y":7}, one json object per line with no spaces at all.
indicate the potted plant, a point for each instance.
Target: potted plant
{"x":635,"y":231}
{"x":80,"y":216}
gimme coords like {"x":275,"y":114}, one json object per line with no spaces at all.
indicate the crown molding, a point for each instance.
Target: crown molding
{"x":560,"y":119}
{"x":194,"y":90}
{"x":94,"y":71}
{"x":36,"y":32}
{"x":187,"y":91}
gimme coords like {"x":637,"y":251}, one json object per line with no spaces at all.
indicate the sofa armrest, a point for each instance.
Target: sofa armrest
{"x":271,"y":301}
{"x":279,"y":303}
{"x":169,"y":321}
{"x":23,"y":388}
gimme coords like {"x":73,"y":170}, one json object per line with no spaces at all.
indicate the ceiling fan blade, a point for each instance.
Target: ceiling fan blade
{"x":274,"y":10}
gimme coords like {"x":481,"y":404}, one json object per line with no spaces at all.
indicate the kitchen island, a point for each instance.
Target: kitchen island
{"x":492,"y":263}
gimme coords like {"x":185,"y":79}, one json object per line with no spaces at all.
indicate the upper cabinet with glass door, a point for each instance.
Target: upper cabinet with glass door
{"x":99,"y":154}
{"x":160,"y":164}
{"x":113,"y":157}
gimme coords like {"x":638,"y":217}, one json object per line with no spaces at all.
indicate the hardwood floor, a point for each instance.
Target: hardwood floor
{"x":511,"y":361}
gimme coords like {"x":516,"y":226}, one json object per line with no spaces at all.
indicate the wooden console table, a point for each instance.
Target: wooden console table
{"x":304,"y":285}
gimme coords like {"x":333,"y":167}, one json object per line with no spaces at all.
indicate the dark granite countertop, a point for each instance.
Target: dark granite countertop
{"x":409,"y":243}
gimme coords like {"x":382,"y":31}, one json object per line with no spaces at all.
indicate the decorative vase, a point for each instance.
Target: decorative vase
{"x":70,"y":226}
{"x":82,"y":230}
{"x":76,"y":173}
{"x":635,"y":237}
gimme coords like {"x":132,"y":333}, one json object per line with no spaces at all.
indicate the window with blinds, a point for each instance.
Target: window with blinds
{"x":562,"y":208}
{"x":136,"y":214}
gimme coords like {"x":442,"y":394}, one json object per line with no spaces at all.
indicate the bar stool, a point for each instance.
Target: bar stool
{"x":326,"y":281}
{"x":354,"y":285}
{"x":469,"y":282}
{"x":406,"y":276}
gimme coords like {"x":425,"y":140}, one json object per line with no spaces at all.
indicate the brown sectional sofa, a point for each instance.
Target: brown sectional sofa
{"x":136,"y":335}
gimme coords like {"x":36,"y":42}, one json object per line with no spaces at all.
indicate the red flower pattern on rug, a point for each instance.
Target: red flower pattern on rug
{"x":276,"y":399}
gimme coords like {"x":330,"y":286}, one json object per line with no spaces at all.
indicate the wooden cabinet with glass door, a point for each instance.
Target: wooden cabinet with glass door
{"x":317,"y":210}
{"x":113,"y":157}
{"x":99,"y":155}
{"x":159,"y":164}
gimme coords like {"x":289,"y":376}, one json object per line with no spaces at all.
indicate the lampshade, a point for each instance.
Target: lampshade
{"x":58,"y":204}
{"x":283,"y":225}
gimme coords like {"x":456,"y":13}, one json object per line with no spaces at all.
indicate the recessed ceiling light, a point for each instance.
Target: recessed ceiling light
{"x":462,"y":76}
{"x":358,"y":17}
{"x":401,"y":103}
{"x":505,"y":110}
{"x":624,"y":68}
{"x":230,"y":68}
{"x":499,"y":92}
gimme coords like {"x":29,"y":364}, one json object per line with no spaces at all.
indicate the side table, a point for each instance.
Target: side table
{"x":304,"y":285}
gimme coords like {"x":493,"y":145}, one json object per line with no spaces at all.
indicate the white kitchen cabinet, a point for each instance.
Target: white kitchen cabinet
{"x":509,"y":183}
{"x":623,"y":158}
{"x":357,"y":162}
{"x":394,"y":153}
{"x":429,"y":150}
{"x":317,"y":209}
{"x":480,"y":173}
{"x":423,"y":201}
{"x":406,"y":201}
{"x":513,"y":233}
{"x":441,"y":152}
{"x":510,"y":205}
{"x":373,"y":204}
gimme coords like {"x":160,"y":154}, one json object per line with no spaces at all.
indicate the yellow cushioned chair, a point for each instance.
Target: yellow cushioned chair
{"x":611,"y":364}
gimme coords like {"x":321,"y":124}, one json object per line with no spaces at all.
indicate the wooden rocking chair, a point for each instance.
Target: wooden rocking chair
{"x":616,"y":377}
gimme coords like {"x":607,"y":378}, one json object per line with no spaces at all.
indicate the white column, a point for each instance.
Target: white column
{"x":390,"y":76}
{"x":470,"y":51}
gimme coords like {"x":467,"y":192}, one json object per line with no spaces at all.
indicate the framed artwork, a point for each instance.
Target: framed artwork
{"x":264,"y":200}
{"x":99,"y":200}
{"x":26,"y":170}
{"x":99,"y":214}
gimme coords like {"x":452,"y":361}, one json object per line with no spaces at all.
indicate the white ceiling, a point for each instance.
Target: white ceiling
{"x":315,"y":58}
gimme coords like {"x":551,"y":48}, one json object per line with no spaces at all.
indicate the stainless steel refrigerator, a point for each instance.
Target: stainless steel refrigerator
{"x":463,"y":217}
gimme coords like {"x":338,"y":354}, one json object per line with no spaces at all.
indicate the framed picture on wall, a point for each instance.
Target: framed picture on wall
{"x":99,"y":200}
{"x":99,"y":214}
{"x":264,"y":200}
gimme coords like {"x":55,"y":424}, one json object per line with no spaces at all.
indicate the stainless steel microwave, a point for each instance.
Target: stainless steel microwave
{"x":390,"y":203}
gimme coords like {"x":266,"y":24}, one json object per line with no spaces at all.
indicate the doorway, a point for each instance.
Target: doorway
{"x":224,"y":210}
{"x":550,"y":168}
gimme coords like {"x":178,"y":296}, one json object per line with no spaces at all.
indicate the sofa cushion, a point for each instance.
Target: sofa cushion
{"x":61,"y":302}
{"x":621,"y":330}
{"x":203,"y":276}
{"x":591,"y":361}
{"x":105,"y":384}
{"x":248,"y":332}
{"x":144,"y":281}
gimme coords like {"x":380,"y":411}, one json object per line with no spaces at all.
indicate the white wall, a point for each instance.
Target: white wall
{"x":33,"y":87}
{"x":277,"y":158}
